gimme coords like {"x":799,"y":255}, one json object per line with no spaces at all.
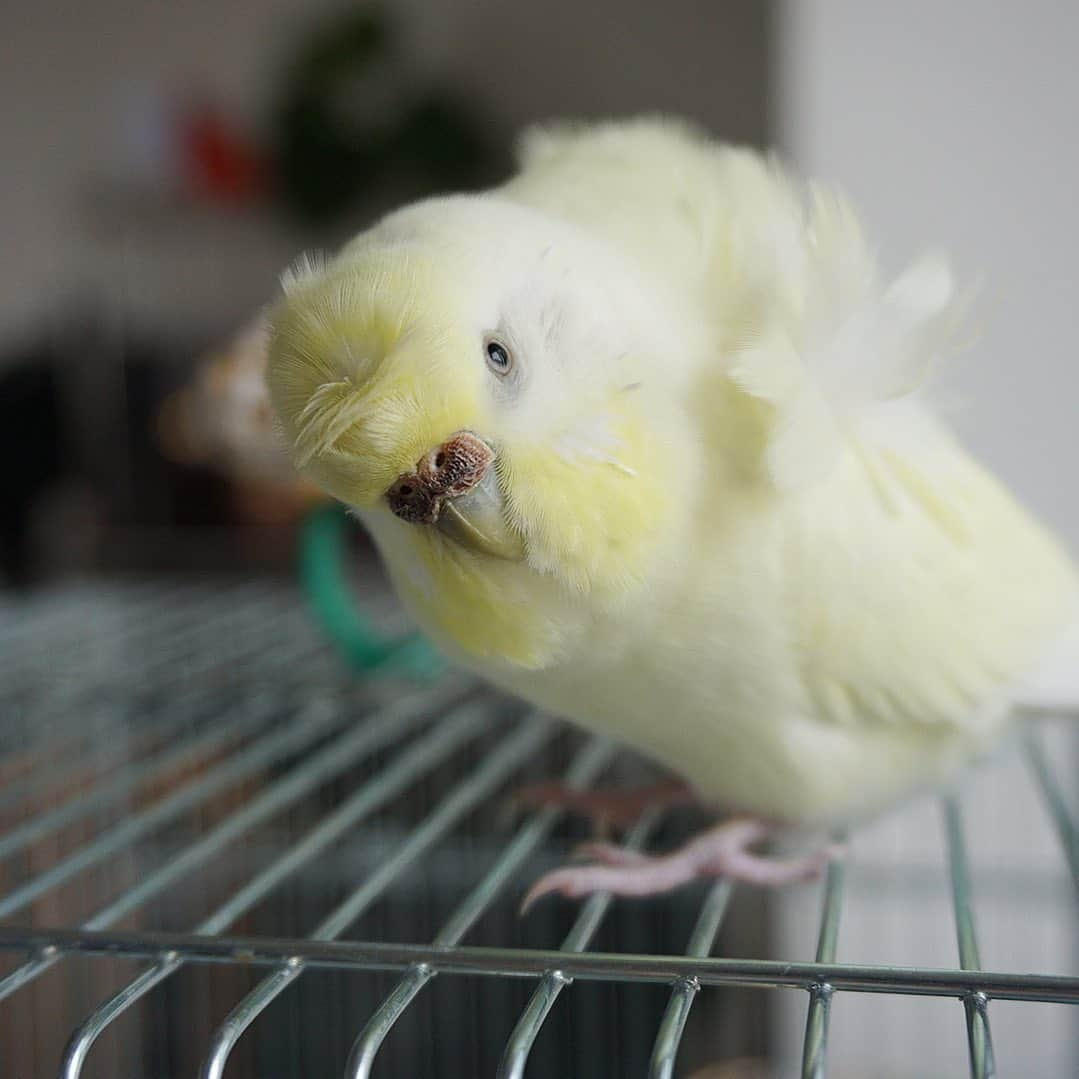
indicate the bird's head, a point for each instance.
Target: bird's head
{"x":482,"y":384}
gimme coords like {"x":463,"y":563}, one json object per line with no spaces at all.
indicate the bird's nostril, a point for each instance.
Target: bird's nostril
{"x":414,"y":501}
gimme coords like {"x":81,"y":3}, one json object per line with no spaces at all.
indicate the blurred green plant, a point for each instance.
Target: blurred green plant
{"x":350,"y":117}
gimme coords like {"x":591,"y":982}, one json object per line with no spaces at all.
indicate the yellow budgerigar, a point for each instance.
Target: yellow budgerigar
{"x":640,"y":436}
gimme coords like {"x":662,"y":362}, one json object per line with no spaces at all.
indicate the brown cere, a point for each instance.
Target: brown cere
{"x":457,"y":465}
{"x":448,"y":471}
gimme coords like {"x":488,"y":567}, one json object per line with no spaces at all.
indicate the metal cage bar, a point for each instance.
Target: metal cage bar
{"x":1054,"y":800}
{"x":158,"y":881}
{"x":188,"y":752}
{"x":519,"y":1045}
{"x":585,"y":767}
{"x":96,"y":748}
{"x":815,"y":1043}
{"x":316,"y":721}
{"x":534,"y":963}
{"x":106,"y":742}
{"x":511,"y":753}
{"x":701,"y":941}
{"x":160,"y":707}
{"x":975,"y":1003}
{"x":458,"y":724}
{"x":336,"y":756}
{"x":146,"y":616}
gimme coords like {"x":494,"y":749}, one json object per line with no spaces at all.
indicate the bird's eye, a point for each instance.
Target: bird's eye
{"x":498,"y":358}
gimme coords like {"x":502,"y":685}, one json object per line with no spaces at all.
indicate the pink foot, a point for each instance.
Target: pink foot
{"x":721,"y":851}
{"x":607,"y":809}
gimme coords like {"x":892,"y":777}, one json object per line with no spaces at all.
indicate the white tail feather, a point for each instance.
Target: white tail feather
{"x":1054,"y":684}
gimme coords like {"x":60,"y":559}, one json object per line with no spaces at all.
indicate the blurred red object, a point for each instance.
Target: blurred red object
{"x":218,"y":162}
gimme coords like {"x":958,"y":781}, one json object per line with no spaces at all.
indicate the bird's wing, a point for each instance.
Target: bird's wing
{"x":922,"y":593}
{"x":834,"y":355}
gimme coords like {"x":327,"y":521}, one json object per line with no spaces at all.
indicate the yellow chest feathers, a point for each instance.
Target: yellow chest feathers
{"x":480,"y":609}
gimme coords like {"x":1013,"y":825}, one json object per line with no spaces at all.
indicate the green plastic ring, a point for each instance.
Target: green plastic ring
{"x":323,"y":553}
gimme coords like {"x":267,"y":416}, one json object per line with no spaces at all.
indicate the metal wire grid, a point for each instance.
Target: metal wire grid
{"x":281,"y":709}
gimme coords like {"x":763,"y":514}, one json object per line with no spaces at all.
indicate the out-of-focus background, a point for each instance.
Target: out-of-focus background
{"x":164,"y":162}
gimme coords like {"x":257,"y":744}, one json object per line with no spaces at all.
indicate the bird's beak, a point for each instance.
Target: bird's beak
{"x":477,"y":520}
{"x":455,"y":488}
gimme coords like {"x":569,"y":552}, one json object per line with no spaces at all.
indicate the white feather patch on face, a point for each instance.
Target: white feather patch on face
{"x":592,"y":438}
{"x":570,"y":343}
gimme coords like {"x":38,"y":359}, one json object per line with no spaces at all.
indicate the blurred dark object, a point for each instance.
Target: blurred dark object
{"x":742,"y":1068}
{"x":86,"y":486}
{"x":349,"y":119}
{"x":32,"y":449}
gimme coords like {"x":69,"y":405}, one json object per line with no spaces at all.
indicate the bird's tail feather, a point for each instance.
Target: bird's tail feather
{"x":1054,"y":684}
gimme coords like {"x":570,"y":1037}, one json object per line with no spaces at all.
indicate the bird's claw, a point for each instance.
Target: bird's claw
{"x":721,"y":852}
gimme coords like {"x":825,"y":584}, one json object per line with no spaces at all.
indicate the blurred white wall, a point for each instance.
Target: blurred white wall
{"x":954,"y":124}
